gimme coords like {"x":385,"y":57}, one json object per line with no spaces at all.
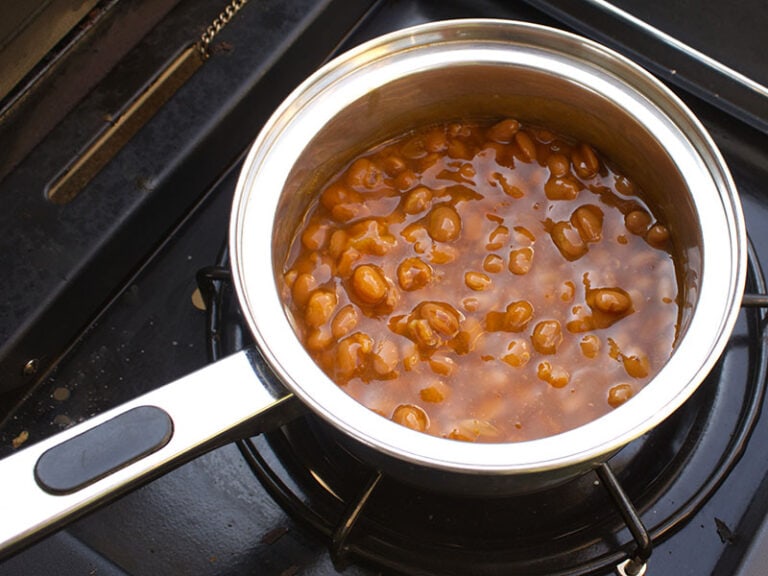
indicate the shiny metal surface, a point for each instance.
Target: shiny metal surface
{"x":480,"y":68}
{"x":706,"y":60}
{"x":207,"y":407}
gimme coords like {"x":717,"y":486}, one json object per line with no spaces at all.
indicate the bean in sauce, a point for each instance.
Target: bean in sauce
{"x":484,"y":282}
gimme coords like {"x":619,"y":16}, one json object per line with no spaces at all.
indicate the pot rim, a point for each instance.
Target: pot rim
{"x":458,"y":42}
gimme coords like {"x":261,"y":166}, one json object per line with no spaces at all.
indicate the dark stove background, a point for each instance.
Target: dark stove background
{"x":139,"y":328}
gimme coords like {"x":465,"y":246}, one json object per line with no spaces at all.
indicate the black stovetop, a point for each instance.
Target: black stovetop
{"x":130,"y":246}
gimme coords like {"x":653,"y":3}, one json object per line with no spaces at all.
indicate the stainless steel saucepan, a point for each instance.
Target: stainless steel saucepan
{"x":412,"y":77}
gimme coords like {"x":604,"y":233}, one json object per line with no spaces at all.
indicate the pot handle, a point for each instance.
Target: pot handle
{"x":50,"y":483}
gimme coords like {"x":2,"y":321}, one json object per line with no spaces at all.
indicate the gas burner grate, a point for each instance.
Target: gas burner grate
{"x":603,"y":521}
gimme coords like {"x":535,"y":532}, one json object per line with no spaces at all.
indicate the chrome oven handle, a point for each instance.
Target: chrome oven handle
{"x":50,"y":483}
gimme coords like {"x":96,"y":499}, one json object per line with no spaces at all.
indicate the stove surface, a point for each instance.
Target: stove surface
{"x":143,"y":327}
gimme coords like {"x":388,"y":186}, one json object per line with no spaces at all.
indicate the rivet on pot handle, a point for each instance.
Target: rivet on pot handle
{"x":58,"y":479}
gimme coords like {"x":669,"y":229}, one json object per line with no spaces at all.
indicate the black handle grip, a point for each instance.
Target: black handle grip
{"x":112,"y":445}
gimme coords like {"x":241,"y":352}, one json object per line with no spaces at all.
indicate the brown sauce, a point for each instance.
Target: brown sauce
{"x":490,"y":283}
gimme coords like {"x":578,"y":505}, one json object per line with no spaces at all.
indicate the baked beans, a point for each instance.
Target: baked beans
{"x":484,"y":282}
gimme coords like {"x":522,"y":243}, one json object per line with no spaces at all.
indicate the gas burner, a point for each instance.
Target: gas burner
{"x":605,"y":520}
